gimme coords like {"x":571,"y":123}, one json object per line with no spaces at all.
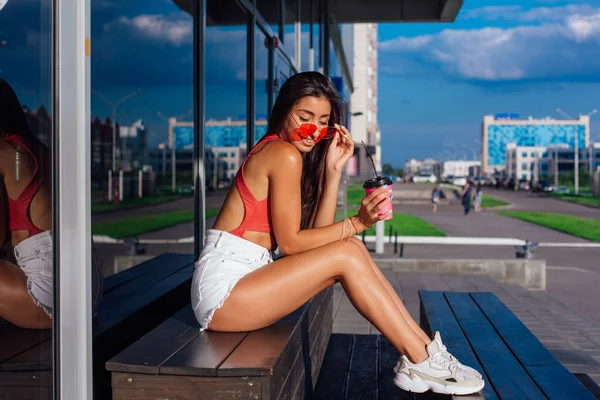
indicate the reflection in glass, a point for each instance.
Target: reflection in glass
{"x":26,"y":252}
{"x":142,"y":123}
{"x":225,"y":131}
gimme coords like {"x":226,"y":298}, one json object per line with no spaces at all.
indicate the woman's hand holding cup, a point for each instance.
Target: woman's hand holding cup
{"x":371,"y":207}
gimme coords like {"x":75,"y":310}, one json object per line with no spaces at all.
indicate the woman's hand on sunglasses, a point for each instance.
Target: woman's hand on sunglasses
{"x":340,"y":150}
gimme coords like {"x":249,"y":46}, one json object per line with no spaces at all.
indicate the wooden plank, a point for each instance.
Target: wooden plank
{"x":289,"y":388}
{"x":147,"y":354}
{"x":508,"y":377}
{"x":388,"y":356}
{"x":331,"y":384}
{"x":160,"y":387}
{"x":26,"y":386}
{"x":362,"y":371}
{"x":550,"y":375}
{"x":16,"y":340}
{"x":203,"y":355}
{"x":436,"y":315}
{"x":139,"y":300}
{"x":35,"y":360}
{"x":292,"y":352}
{"x":165,"y":261}
{"x":319,"y":347}
{"x":260,"y":350}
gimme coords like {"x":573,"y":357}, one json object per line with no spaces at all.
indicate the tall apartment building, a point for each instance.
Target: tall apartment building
{"x":363,"y":102}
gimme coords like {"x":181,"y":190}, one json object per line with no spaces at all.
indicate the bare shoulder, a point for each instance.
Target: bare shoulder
{"x":282,"y":154}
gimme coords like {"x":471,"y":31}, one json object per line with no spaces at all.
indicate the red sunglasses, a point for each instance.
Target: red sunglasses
{"x":308,"y":130}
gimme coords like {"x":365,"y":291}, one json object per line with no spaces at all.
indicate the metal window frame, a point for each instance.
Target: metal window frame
{"x":73,"y":374}
{"x":199,"y":123}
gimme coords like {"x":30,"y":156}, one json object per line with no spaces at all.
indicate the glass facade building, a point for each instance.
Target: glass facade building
{"x":191,"y":80}
{"x":500,"y":131}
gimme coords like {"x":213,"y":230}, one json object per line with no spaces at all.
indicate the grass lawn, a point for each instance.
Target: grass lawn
{"x":355,"y":194}
{"x":111,"y":206}
{"x":489,"y":201}
{"x":585,"y":228}
{"x":582,"y":199}
{"x":406,"y":225}
{"x":131,"y":227}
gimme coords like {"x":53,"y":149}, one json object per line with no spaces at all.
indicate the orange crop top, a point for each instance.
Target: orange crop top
{"x":257,"y":215}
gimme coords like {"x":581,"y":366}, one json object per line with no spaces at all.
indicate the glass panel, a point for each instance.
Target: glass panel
{"x":261,"y":75}
{"x":142,"y":123}
{"x":225,"y":98}
{"x":26,"y":139}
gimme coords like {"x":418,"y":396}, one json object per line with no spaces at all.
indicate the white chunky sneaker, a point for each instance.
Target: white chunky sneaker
{"x":437,"y":373}
{"x":472,"y":372}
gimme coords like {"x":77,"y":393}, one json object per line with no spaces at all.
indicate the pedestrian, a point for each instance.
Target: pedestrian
{"x":466,"y":197}
{"x":435,"y":198}
{"x":477,"y":199}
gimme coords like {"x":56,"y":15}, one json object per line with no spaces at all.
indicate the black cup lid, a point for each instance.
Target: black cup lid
{"x":377,"y":182}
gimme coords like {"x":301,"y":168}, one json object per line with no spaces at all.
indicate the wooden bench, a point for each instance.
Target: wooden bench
{"x":134,"y":302}
{"x":178,"y":361}
{"x":483,"y":333}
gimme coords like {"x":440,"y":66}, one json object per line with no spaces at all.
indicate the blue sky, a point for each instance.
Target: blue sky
{"x":527,"y":57}
{"x":436,"y":80}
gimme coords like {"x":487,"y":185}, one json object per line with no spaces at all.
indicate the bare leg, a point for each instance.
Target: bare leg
{"x":392,"y":292}
{"x":273,"y":291}
{"x":16,"y":305}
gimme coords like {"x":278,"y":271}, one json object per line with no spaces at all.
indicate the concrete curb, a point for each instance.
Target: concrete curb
{"x":528,"y":273}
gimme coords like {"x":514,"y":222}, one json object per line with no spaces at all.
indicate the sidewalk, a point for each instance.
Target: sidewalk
{"x":572,"y":338}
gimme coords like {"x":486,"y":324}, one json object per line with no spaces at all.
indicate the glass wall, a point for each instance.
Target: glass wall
{"x":289,"y":38}
{"x":26,"y":239}
{"x":141,"y":130}
{"x":225,"y":137}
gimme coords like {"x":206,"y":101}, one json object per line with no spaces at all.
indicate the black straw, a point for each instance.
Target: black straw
{"x":371,"y":158}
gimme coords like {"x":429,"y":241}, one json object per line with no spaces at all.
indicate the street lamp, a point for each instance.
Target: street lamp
{"x":114,"y":119}
{"x":173,"y":147}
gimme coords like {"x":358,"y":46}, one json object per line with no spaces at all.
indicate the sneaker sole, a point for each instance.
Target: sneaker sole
{"x":417,"y":385}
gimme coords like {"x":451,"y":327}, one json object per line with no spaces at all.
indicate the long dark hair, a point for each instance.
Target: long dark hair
{"x":12,"y":117}
{"x":298,"y":86}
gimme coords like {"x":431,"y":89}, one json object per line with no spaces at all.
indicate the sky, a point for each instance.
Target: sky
{"x":527,"y":57}
{"x":436,"y":80}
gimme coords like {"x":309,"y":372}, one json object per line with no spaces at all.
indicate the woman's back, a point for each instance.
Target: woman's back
{"x":245,"y":211}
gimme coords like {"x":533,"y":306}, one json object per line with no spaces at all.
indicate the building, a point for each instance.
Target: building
{"x":102,"y":148}
{"x":363,"y":119}
{"x":538,"y":163}
{"x":460,"y":168}
{"x":502,"y":129}
{"x":263,"y":37}
{"x":421,"y":167}
{"x":133,"y":147}
{"x":222,"y":163}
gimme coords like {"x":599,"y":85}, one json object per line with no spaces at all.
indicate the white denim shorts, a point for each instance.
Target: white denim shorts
{"x":34,"y":257}
{"x":225,"y":260}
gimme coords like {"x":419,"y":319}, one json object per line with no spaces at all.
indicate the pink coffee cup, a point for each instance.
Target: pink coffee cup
{"x":373,"y":184}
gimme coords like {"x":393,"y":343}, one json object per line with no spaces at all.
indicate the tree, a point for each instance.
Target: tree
{"x":387,"y":169}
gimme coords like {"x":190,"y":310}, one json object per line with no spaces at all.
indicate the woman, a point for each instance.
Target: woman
{"x":478,"y":198}
{"x":435,"y":199}
{"x":285,"y":196}
{"x":26,"y":289}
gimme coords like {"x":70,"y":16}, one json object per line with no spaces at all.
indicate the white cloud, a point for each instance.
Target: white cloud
{"x":176,"y":29}
{"x":537,"y":14}
{"x":566,"y":50}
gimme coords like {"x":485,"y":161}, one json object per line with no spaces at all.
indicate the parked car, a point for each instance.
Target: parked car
{"x":542,"y":187}
{"x":424,"y":178}
{"x":459,"y":181}
{"x":524,"y":184}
